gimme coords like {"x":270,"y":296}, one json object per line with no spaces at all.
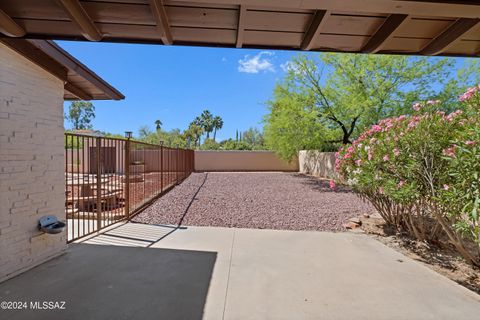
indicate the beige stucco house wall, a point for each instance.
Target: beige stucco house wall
{"x":242,"y":161}
{"x":31,"y":162}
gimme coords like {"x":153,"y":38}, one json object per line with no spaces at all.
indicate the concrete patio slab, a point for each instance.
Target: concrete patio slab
{"x":221,"y":273}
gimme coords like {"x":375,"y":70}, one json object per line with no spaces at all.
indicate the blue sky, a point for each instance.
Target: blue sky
{"x":174,"y":84}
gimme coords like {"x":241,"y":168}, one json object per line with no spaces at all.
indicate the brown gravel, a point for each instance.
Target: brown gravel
{"x":287,"y":201}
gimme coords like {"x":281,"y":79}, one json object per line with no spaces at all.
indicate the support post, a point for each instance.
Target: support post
{"x":177,"y":167}
{"x":161,"y":167}
{"x":99,"y":183}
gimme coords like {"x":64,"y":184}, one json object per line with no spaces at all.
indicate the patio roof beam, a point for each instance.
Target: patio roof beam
{"x":77,"y":92}
{"x":242,"y":12}
{"x":384,"y":33}
{"x":9,"y":27}
{"x":161,"y":19}
{"x":79,"y":16}
{"x":314,"y":29}
{"x":452,"y":33}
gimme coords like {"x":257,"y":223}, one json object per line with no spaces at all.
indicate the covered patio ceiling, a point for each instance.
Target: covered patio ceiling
{"x":423,"y":27}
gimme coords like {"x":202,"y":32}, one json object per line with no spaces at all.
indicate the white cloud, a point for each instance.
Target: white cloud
{"x":257,"y":63}
{"x":224,"y":59}
{"x":286,"y":66}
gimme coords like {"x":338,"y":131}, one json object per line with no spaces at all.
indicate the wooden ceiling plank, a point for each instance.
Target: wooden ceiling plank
{"x":242,"y":13}
{"x":314,"y":29}
{"x":77,"y":92}
{"x":79,"y":16}
{"x":384,"y":33}
{"x":161,"y":19}
{"x":440,"y":8}
{"x":9,"y":27}
{"x":452,"y":33}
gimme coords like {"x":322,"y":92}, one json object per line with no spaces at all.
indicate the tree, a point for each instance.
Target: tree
{"x":351,"y":91}
{"x":158,"y":124}
{"x":217,"y":125}
{"x":207,"y":122}
{"x":193,"y":133}
{"x":292,"y":124}
{"x":81,"y":114}
{"x":254,"y":137}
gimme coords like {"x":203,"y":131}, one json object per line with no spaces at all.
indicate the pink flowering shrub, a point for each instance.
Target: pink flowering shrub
{"x":421,"y":172}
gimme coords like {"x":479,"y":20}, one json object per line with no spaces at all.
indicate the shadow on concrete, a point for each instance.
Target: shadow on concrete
{"x":115,"y":282}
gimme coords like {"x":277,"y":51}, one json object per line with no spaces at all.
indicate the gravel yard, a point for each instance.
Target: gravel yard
{"x":287,"y":201}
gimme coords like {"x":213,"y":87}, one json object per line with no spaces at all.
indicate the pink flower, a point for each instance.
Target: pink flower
{"x":401,"y":184}
{"x":396,"y":152}
{"x":358,"y":162}
{"x":416,"y":106}
{"x":376,"y":128}
{"x":332,"y":184}
{"x":381,"y":190}
{"x":386,"y":158}
{"x":470,"y":143}
{"x":370,"y":154}
{"x":469,"y":93}
{"x":433,"y":102}
{"x":450,"y":152}
{"x":446,"y":187}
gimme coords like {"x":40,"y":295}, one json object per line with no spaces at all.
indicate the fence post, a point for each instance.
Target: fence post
{"x":128,"y":135}
{"x":177,"y":165}
{"x":161,"y":167}
{"x":99,"y":183}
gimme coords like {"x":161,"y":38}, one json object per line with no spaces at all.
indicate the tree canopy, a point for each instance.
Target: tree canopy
{"x":330,"y":99}
{"x":80,"y":115}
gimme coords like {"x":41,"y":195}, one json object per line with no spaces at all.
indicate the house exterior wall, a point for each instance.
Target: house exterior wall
{"x":242,"y":161}
{"x":32,"y":182}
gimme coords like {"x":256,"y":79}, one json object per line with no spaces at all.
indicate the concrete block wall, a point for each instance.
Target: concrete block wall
{"x":32,"y":182}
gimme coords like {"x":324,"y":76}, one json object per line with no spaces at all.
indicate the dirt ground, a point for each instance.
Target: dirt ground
{"x":443,"y":260}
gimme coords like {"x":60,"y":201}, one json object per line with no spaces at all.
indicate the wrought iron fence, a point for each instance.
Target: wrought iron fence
{"x":111,"y":179}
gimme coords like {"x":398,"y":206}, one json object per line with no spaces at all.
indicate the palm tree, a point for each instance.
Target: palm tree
{"x":207,"y":122}
{"x":158,"y":123}
{"x":217,"y":125}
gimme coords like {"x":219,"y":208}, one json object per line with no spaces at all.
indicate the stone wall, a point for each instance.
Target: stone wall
{"x":32,"y":181}
{"x":320,"y":164}
{"x":242,"y":161}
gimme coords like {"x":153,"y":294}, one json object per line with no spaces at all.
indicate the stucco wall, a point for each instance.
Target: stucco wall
{"x":242,"y":161}
{"x":32,"y":182}
{"x":320,"y":164}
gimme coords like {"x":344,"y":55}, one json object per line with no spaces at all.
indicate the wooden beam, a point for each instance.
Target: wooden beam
{"x":161,"y":19}
{"x":314,"y":29}
{"x":9,"y":27}
{"x":452,"y":33}
{"x":32,"y":53}
{"x":77,"y":92}
{"x":384,"y":33}
{"x":242,"y":13}
{"x":67,"y":60}
{"x":79,"y":16}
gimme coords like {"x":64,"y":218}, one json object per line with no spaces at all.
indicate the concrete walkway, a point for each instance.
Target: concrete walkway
{"x":138,"y":271}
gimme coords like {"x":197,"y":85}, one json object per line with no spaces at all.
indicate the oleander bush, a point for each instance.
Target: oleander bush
{"x":421,"y":172}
